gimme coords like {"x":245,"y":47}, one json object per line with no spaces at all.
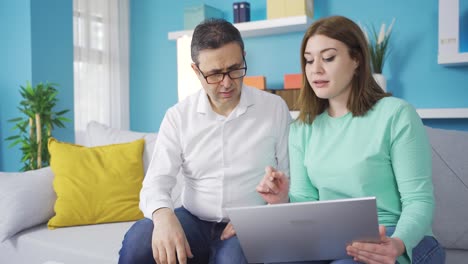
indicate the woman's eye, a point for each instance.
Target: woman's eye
{"x":329,"y":59}
{"x":309,"y":61}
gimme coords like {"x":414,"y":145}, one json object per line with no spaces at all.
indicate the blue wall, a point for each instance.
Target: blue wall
{"x":412,"y":71}
{"x":15,"y":68}
{"x":153,"y":66}
{"x":52,"y":54}
{"x":36,"y":46}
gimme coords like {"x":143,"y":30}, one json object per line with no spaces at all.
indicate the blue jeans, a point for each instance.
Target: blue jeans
{"x":428,"y":251}
{"x":203,"y":238}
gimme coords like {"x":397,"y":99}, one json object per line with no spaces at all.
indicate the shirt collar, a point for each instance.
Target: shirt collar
{"x":246,"y":100}
{"x":203,"y":102}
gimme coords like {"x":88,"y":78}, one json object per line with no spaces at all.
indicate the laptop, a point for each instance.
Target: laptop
{"x":304,"y":231}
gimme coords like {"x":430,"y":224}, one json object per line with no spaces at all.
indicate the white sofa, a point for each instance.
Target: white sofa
{"x":27,"y":201}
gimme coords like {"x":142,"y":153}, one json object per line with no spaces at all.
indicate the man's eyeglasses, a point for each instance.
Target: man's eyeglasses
{"x":219,"y":77}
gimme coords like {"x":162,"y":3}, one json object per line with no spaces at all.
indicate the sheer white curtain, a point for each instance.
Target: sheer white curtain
{"x":101,"y":64}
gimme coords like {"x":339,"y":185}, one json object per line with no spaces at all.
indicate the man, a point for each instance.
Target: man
{"x":220,"y":139}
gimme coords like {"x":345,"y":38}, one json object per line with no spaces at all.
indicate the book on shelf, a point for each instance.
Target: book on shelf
{"x":244,"y":12}
{"x":289,"y":8}
{"x":193,"y":15}
{"x":235,"y":10}
{"x":258,"y":82}
{"x":293,"y":81}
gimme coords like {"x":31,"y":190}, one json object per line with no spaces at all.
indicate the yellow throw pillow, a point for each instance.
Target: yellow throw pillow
{"x":96,"y":185}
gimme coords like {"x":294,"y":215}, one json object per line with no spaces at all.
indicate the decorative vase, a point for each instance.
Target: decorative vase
{"x":381,"y":81}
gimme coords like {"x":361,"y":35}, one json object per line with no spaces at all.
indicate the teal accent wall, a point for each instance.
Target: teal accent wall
{"x":15,"y":68}
{"x":412,"y":71}
{"x":36,"y":46}
{"x":153,"y":65}
{"x":52,"y":54}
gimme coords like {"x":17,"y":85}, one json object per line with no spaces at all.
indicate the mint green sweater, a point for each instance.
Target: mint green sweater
{"x":385,"y":154}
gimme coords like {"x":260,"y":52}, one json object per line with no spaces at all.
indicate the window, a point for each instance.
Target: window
{"x":100,"y":37}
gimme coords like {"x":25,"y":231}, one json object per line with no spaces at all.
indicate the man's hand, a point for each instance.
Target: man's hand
{"x":387,"y":251}
{"x":169,"y":242}
{"x":228,"y":232}
{"x":274,"y":187}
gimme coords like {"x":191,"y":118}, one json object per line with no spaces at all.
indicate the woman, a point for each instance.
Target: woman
{"x":351,"y":139}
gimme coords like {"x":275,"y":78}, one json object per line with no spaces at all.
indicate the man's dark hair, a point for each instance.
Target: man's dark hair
{"x":214,"y":33}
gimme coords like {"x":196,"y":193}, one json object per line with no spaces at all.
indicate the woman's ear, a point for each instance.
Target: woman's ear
{"x":356,"y":64}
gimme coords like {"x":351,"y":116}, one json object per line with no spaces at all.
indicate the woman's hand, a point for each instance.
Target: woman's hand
{"x":386,"y":251}
{"x":274,"y":187}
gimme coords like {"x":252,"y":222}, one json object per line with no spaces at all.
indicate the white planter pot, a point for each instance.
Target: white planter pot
{"x":381,"y":81}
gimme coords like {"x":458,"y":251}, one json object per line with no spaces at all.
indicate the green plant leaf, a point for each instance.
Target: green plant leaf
{"x":17,"y":119}
{"x":62,"y":112}
{"x":65,"y":119}
{"x":40,"y":99}
{"x":12,"y":137}
{"x":14,"y":143}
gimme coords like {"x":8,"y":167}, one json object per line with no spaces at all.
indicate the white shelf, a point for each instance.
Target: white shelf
{"x":453,"y":59}
{"x":261,"y":28}
{"x":442,"y":113}
{"x":430,"y":113}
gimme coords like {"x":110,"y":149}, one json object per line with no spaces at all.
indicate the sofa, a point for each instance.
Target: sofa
{"x":28,"y":202}
{"x":450,"y":180}
{"x":30,"y":207}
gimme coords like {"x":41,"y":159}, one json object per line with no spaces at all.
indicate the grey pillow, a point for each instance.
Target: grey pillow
{"x":450,"y":179}
{"x":26,"y":199}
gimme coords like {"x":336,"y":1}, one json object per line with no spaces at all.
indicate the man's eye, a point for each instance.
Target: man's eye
{"x":215,"y":75}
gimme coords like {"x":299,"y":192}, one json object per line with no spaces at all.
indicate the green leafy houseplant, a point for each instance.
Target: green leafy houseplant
{"x":378,"y":46}
{"x":35,"y":127}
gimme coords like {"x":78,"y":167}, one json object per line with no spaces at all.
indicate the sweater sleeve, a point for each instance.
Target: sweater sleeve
{"x":284,"y":122}
{"x":411,"y":162}
{"x":301,"y":188}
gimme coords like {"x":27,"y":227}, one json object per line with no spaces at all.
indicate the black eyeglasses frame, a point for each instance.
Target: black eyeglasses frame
{"x":224,"y":73}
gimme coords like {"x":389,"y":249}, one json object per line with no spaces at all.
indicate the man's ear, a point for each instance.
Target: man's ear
{"x":194,"y":68}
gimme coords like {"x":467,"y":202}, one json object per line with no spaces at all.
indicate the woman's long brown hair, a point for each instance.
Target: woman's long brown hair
{"x":365,"y":92}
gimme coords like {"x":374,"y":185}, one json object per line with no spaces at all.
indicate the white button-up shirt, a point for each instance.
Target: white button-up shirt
{"x":222,"y":159}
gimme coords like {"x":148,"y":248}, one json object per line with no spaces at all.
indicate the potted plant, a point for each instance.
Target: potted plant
{"x":35,"y":127}
{"x":379,"y":50}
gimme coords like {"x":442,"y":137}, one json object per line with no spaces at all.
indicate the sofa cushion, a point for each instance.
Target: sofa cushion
{"x":450,"y":179}
{"x":26,"y":199}
{"x":90,"y":244}
{"x":96,"y":185}
{"x":99,"y":135}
